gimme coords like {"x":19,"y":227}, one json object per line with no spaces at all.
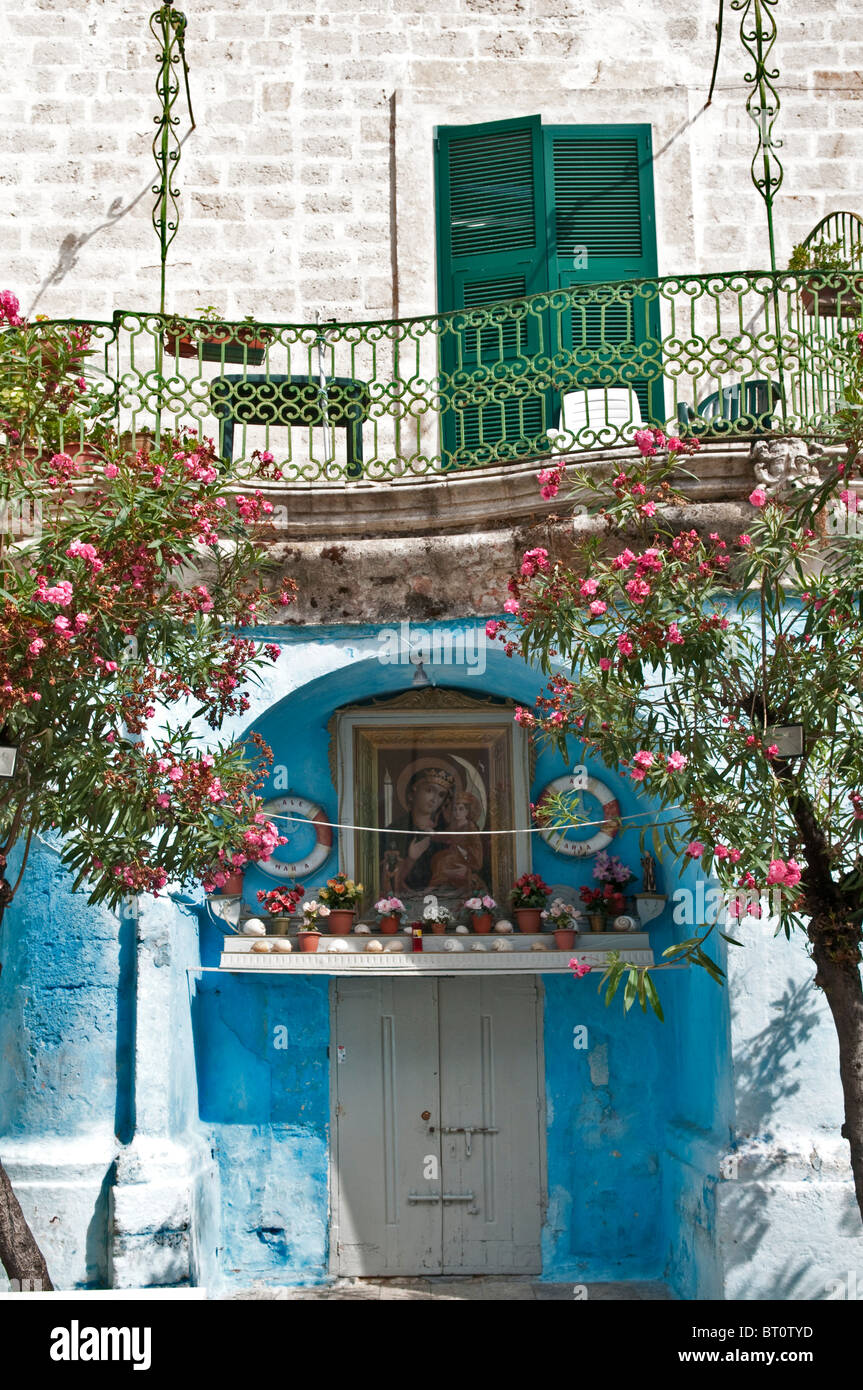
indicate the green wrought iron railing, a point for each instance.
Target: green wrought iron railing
{"x":725,"y":356}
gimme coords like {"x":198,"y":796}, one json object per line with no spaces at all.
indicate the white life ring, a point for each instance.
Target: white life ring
{"x":583,"y":849}
{"x":298,"y":806}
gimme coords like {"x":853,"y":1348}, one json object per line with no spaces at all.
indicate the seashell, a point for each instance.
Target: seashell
{"x":625,"y":924}
{"x":362,"y":930}
{"x":501,"y":945}
{"x":262,"y":948}
{"x":503,"y":926}
{"x":393,"y":947}
{"x":539,"y":946}
{"x":477,"y":946}
{"x":451,"y":944}
{"x":253,"y":926}
{"x":281,"y":946}
{"x":336,"y":945}
{"x":374,"y":945}
{"x":462,"y":931}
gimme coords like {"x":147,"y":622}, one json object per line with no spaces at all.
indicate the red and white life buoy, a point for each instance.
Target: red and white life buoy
{"x":583,"y":849}
{"x":298,"y":806}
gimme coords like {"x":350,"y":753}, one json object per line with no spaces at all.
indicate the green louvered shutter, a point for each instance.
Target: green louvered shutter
{"x":599,"y":188}
{"x":492,"y":247}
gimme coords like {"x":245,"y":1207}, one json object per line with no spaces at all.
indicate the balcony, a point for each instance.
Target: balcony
{"x":729,"y":357}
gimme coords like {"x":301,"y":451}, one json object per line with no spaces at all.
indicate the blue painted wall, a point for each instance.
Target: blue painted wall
{"x":633,"y":1119}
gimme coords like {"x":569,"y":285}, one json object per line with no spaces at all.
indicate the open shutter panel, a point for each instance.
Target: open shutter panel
{"x":600,"y":183}
{"x":492,"y":247}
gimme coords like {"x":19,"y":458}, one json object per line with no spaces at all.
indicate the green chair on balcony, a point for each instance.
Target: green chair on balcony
{"x":743,"y":409}
{"x":248,"y":399}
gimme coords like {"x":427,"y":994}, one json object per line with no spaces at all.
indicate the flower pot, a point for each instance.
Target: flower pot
{"x":233,"y":884}
{"x":564,"y":940}
{"x":831,"y":298}
{"x":340,"y":921}
{"x":308,"y":940}
{"x":279,"y":925}
{"x":218,"y":347}
{"x":597,"y":921}
{"x":529,"y":918}
{"x":481,"y":923}
{"x":390,"y":925}
{"x":438,"y":928}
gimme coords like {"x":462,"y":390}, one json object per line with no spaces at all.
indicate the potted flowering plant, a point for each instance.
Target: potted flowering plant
{"x":216,"y":339}
{"x":341,"y":895}
{"x":528,"y":895}
{"x":564,"y":922}
{"x":281,"y":904}
{"x":481,"y":910}
{"x":437,"y":917}
{"x":390,"y":912}
{"x":836,"y":287}
{"x":309,"y":930}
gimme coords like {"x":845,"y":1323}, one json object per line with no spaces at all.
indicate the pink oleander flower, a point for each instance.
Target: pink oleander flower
{"x":36,"y":646}
{"x":111,"y":666}
{"x":694,"y":849}
{"x":111,"y":470}
{"x":648,"y":509}
{"x":604,"y":663}
{"x":60,"y":593}
{"x":776,"y":872}
{"x":61,"y":624}
{"x":623,"y":560}
{"x":758,"y":497}
{"x":175,"y":774}
{"x":743,"y":539}
{"x":579,"y":968}
{"x":588,"y":588}
{"x":850,"y":500}
{"x":163,"y":799}
{"x":676,"y":762}
{"x":672,"y":636}
{"x":773,"y":750}
{"x":511,"y":605}
{"x":597,"y":608}
{"x":638,"y":590}
{"x":492,"y":628}
{"x":624,"y":645}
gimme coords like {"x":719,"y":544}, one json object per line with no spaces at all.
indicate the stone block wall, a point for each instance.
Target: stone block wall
{"x":307,"y":185}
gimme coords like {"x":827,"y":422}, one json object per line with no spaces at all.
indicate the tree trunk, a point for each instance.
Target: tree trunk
{"x":838,"y":973}
{"x":20,"y":1256}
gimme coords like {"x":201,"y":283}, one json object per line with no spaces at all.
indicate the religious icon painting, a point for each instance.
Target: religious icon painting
{"x":432,"y":788}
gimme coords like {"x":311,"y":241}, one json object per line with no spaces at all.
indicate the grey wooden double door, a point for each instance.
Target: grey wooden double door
{"x":437,"y":1152}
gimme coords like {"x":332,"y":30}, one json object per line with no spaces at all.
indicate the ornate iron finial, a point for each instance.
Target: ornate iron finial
{"x":168,"y":27}
{"x":758,"y":34}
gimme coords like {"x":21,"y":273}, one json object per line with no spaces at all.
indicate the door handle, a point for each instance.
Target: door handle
{"x":441,"y":1197}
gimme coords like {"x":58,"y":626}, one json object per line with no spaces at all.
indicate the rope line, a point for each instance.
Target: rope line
{"x":448,"y":834}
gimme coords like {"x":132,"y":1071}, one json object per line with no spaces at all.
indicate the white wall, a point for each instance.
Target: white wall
{"x":314,"y":139}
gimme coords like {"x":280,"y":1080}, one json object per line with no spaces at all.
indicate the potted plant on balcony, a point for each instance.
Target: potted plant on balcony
{"x":836,"y":287}
{"x":341,"y":896}
{"x":309,"y":930}
{"x":280,"y":903}
{"x":529,"y":895}
{"x":390,"y":912}
{"x":481,"y":910}
{"x":215,"y":339}
{"x":563,"y":920}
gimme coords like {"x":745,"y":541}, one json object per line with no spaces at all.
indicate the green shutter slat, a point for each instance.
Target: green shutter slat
{"x":491,"y":185}
{"x":597,"y":196}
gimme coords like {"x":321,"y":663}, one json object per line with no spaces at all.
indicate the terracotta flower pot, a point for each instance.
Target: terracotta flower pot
{"x":390,"y":925}
{"x":438,"y":928}
{"x":564,"y":939}
{"x":529,"y":918}
{"x":233,"y":884}
{"x":340,"y":921}
{"x":481,"y":923}
{"x":597,"y":921}
{"x":237,"y":344}
{"x":308,"y":940}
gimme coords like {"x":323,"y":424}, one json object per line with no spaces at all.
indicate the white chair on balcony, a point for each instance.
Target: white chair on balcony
{"x":597,"y":409}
